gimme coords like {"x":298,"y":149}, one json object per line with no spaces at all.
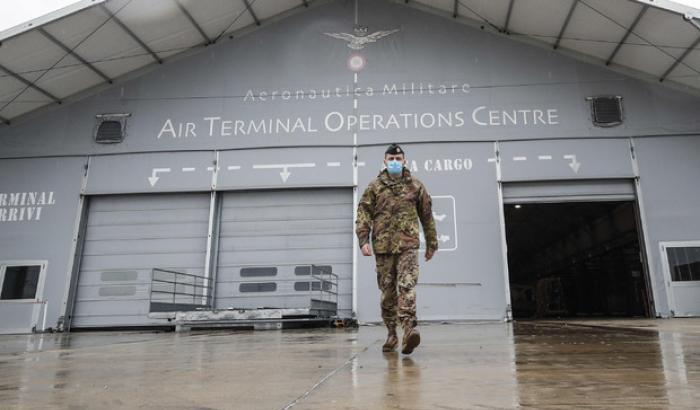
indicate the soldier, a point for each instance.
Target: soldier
{"x":390,"y":208}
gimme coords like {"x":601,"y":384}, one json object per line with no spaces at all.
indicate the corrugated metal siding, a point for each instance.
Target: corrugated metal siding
{"x":287,"y":230}
{"x":128,"y":236}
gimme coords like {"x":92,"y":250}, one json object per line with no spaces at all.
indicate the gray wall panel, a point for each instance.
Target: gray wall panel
{"x":223,"y":83}
{"x":281,"y":168}
{"x":571,"y":159}
{"x":48,"y":238}
{"x":465,"y":278}
{"x":668,"y":173}
{"x":137,"y":173}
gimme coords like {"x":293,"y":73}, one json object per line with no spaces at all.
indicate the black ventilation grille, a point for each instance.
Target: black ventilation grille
{"x":109,"y":132}
{"x":110,"y":128}
{"x":606,"y":111}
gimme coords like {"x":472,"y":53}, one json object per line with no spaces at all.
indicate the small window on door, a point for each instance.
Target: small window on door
{"x":684,"y":263}
{"x":20,"y":282}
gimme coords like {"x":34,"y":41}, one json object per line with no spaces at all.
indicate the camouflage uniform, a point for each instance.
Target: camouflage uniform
{"x":391,"y":208}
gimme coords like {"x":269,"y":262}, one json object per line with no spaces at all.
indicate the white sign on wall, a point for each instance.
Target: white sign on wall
{"x":335,"y":121}
{"x":24,"y":206}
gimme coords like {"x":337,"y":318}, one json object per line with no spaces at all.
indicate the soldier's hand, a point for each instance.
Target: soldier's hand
{"x":429,"y":254}
{"x":366,"y":250}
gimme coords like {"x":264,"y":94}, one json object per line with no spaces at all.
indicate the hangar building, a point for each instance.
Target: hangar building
{"x":172,"y":155}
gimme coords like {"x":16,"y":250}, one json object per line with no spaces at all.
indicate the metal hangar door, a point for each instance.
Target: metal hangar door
{"x":126,"y":238}
{"x":270,"y":239}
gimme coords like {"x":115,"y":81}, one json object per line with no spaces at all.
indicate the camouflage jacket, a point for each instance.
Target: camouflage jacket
{"x":391,"y":208}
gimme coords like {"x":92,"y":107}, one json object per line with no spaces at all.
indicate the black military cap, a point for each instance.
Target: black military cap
{"x":394,"y":149}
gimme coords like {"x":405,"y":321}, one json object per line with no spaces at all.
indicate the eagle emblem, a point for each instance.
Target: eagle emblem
{"x":360,"y":39}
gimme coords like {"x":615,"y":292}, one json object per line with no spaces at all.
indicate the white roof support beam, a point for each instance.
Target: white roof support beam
{"x":508,"y":15}
{"x":672,"y":6}
{"x":252,"y":13}
{"x":29,"y":83}
{"x":131,"y":33}
{"x":75,"y":7}
{"x":566,"y":23}
{"x":194,"y":23}
{"x":75,"y":55}
{"x":627,"y":34}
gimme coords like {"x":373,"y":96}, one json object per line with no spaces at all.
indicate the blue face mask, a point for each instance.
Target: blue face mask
{"x":394,"y":167}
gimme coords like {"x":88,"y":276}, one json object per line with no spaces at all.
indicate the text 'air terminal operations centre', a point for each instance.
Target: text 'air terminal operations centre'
{"x":159,"y":157}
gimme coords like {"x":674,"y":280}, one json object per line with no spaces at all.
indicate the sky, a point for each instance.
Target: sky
{"x":13,"y":12}
{"x":691,"y":3}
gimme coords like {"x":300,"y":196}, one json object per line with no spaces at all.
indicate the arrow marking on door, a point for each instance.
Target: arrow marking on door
{"x":439,"y":218}
{"x":574,"y":164}
{"x":441,"y":238}
{"x":153,"y":179}
{"x":285,"y":168}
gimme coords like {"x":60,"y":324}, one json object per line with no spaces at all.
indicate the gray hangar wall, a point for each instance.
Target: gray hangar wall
{"x":288,"y":114}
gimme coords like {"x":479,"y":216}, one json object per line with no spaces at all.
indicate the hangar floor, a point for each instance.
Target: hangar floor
{"x":543,"y":364}
{"x":575,"y":259}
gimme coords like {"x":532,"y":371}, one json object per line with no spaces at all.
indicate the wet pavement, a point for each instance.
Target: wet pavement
{"x":652,"y":364}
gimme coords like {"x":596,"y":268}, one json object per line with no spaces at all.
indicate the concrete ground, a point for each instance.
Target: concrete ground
{"x":625,"y":364}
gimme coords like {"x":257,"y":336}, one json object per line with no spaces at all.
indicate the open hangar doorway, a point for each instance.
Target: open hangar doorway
{"x":575,"y":249}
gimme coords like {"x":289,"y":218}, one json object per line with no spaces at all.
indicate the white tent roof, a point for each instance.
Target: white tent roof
{"x":92,"y":43}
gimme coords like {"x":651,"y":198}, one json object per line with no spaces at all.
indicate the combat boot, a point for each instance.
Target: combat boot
{"x":391,"y":341}
{"x":411,"y":338}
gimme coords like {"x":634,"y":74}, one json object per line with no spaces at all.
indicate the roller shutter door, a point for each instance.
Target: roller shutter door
{"x":128,"y":236}
{"x":569,"y":191}
{"x":268,"y":239}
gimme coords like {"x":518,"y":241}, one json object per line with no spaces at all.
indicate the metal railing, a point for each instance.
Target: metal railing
{"x":326,"y":303}
{"x":179,"y":291}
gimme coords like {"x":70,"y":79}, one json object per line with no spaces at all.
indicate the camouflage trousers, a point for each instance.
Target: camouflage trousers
{"x":397,"y":275}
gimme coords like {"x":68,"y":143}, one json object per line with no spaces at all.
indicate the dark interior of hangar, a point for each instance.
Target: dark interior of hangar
{"x":575,"y":259}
